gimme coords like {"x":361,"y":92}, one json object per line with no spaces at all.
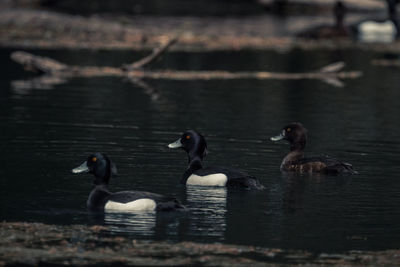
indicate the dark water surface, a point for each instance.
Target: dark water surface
{"x":47,"y":132}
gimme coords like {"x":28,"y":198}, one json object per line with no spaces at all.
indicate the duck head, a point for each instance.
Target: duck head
{"x":193,"y":143}
{"x":100,"y":166}
{"x":295,"y":134}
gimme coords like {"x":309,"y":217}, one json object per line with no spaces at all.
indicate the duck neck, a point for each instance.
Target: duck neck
{"x":393,"y":13}
{"x":101,"y":181}
{"x":339,"y":13}
{"x":98,"y":197}
{"x":297,"y":146}
{"x":291,"y":158}
{"x":195,"y":158}
{"x":392,"y":8}
{"x":194,"y":165}
{"x":296,"y":152}
{"x":103,"y":174}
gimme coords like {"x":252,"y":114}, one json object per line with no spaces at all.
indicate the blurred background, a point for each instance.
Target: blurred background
{"x":198,"y":22}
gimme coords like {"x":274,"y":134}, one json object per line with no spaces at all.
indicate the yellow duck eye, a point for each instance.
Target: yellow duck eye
{"x":94,"y":159}
{"x":187,"y":137}
{"x":288,"y":129}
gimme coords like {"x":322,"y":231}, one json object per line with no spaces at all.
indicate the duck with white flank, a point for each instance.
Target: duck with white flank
{"x":195,"y":146}
{"x":380,"y":31}
{"x":101,"y":199}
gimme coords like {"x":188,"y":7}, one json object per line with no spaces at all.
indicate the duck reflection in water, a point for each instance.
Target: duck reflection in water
{"x":298,"y":186}
{"x":140,"y":224}
{"x":208,"y":217}
{"x":293,"y":193}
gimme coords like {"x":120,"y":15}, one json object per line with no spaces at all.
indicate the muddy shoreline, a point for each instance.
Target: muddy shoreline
{"x":41,"y":29}
{"x":33,"y":244}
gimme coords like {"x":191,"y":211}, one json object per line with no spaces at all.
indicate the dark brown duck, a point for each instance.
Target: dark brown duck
{"x":294,"y":161}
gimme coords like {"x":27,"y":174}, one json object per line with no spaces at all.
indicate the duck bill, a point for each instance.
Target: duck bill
{"x":176,"y":144}
{"x":82,"y":168}
{"x":277,"y":138}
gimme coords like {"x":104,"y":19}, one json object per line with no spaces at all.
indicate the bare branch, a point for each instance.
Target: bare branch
{"x":157,"y":52}
{"x":37,"y":63}
{"x":334,"y":67}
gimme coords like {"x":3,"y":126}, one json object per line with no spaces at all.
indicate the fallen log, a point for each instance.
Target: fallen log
{"x":50,"y":67}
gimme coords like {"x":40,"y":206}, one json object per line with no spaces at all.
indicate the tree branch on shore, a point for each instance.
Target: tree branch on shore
{"x":52,"y":68}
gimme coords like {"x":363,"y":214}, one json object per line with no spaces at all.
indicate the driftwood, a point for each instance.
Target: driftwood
{"x":56,"y":72}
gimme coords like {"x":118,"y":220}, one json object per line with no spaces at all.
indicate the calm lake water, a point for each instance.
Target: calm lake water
{"x":47,"y":132}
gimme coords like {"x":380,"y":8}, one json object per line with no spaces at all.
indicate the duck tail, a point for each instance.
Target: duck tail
{"x":335,"y":166}
{"x":341,"y":167}
{"x":171,"y":206}
{"x":349,"y":168}
{"x":254,"y":183}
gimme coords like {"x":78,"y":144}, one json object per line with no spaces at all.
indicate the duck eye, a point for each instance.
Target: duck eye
{"x":187,"y":137}
{"x":288,"y":129}
{"x":94,"y":159}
